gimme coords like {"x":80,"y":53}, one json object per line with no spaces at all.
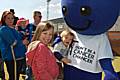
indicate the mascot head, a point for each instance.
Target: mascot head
{"x":90,"y":17}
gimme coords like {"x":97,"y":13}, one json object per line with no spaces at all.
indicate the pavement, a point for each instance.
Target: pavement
{"x":116,"y":64}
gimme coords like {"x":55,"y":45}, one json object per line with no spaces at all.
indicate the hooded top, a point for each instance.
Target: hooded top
{"x":42,"y":61}
{"x":30,"y":52}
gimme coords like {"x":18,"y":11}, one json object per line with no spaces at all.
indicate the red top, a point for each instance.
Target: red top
{"x":44,"y":64}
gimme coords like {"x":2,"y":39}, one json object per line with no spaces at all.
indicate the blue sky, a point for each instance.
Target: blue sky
{"x":24,"y":8}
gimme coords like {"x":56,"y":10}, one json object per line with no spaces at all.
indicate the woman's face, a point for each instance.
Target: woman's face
{"x":9,"y":20}
{"x":46,"y":36}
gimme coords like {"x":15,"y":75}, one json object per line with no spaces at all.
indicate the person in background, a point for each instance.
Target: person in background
{"x":37,"y":16}
{"x":39,"y":56}
{"x":23,"y":29}
{"x":11,"y":46}
{"x":15,"y":18}
{"x":2,"y":73}
{"x":0,"y":23}
{"x":61,"y":49}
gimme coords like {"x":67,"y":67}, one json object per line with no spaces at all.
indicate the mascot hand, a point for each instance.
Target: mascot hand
{"x":108,"y":69}
{"x":57,"y":40}
{"x":110,"y":76}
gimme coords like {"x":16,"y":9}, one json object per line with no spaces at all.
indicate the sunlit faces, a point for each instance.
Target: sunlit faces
{"x":46,"y":36}
{"x":67,"y":39}
{"x":9,"y":20}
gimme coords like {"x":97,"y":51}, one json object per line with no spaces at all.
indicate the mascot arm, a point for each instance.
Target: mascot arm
{"x":108,"y":69}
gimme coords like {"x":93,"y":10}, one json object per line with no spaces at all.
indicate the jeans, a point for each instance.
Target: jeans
{"x":29,"y":73}
{"x":19,"y":67}
{"x":2,"y":73}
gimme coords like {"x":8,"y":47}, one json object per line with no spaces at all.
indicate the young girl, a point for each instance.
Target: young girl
{"x":39,"y":56}
{"x":62,"y":47}
{"x":2,"y":73}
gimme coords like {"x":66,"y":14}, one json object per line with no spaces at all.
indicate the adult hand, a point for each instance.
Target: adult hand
{"x":25,"y":41}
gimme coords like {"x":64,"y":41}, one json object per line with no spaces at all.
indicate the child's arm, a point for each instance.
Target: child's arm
{"x":58,"y":55}
{"x":61,"y":58}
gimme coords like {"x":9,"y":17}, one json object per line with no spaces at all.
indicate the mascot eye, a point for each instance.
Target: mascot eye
{"x":64,"y":10}
{"x":85,"y":10}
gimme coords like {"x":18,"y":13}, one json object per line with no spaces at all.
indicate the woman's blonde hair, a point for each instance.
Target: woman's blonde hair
{"x":40,"y":28}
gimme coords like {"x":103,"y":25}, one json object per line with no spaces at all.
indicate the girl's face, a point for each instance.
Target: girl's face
{"x":46,"y":36}
{"x":67,"y":40}
{"x":9,"y":20}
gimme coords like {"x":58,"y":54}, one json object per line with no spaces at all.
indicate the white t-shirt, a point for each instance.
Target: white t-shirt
{"x":60,"y":47}
{"x":87,"y":52}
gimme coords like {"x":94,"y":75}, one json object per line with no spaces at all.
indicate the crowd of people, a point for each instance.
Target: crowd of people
{"x":26,"y":48}
{"x":32,"y":49}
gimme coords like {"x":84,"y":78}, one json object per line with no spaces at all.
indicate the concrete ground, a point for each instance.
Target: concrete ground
{"x":116,"y":64}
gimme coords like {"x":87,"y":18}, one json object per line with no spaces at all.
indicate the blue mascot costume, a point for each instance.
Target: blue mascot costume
{"x":91,"y":54}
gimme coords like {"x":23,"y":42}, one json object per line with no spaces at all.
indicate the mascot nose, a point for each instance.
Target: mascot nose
{"x":85,"y":10}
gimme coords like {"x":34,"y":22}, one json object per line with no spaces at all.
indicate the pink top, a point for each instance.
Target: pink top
{"x":44,"y":64}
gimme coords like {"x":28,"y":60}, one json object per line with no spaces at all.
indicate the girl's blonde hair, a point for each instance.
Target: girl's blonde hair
{"x":66,"y":32}
{"x":40,"y":28}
